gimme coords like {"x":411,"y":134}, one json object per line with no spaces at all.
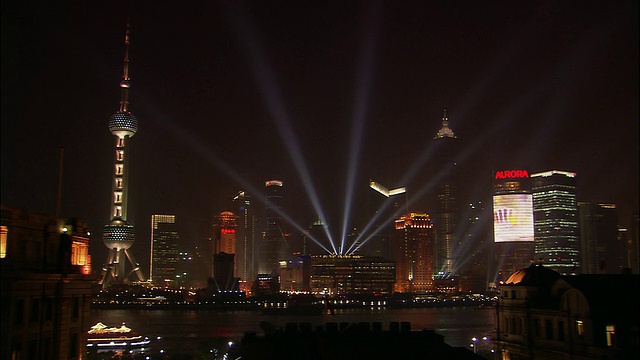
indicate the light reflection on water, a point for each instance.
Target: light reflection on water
{"x":182,"y":331}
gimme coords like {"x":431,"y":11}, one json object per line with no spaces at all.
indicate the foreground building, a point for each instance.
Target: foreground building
{"x":45,"y":286}
{"x":544,"y":315}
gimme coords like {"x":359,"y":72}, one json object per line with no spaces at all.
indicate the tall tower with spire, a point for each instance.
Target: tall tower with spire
{"x":446,"y":200}
{"x":119,"y":235}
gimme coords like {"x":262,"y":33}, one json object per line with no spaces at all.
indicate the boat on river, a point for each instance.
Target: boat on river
{"x":102,"y":338}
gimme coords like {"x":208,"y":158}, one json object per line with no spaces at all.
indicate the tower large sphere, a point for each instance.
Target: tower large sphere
{"x":118,"y":235}
{"x":123,"y":124}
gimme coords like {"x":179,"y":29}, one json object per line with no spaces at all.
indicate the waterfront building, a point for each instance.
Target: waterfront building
{"x":119,"y":235}
{"x":315,"y":240}
{"x":245,"y":236}
{"x":544,"y":315}
{"x":165,"y":252}
{"x":383,"y":212}
{"x":599,"y":238}
{"x":46,"y":285}
{"x":475,"y":249}
{"x":513,"y":233}
{"x":224,"y":251}
{"x":352,"y":275}
{"x":447,"y":211}
{"x":556,"y":221}
{"x":273,"y":248}
{"x":295,"y":274}
{"x":413,"y":249}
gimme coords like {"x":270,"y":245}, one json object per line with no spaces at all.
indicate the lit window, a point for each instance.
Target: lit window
{"x":3,"y":241}
{"x":580,"y":327}
{"x":611,"y":335}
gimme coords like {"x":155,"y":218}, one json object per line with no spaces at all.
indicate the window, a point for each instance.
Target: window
{"x":3,"y":241}
{"x":536,"y":327}
{"x":611,"y":335}
{"x":580,"y":327}
{"x":18,"y":313}
{"x":561,"y":330}
{"x":548,"y":329}
{"x":76,"y":307}
{"x":34,"y":311}
{"x":513,"y":294}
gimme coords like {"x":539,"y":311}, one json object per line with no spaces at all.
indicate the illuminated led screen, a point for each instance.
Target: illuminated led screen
{"x":513,"y":217}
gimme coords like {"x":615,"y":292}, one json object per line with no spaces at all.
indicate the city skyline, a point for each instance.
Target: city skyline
{"x":349,"y":92}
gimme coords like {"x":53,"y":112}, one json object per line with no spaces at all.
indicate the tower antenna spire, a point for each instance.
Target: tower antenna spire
{"x":126,"y":81}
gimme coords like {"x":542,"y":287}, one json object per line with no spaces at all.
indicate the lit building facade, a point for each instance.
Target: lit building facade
{"x":556,"y":221}
{"x":413,"y":248}
{"x":224,"y":251}
{"x":351,"y":274}
{"x":446,"y":219}
{"x":272,"y":248}
{"x":513,"y":230}
{"x":119,"y":235}
{"x":245,"y":236}
{"x":165,"y":252}
{"x":46,"y":286}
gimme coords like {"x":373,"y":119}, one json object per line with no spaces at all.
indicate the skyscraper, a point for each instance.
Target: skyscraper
{"x":556,"y":221}
{"x":272,"y":247}
{"x":245,"y":236}
{"x":512,"y":222}
{"x":446,"y":220}
{"x":413,"y":245}
{"x":164,"y":250}
{"x":598,"y":238}
{"x":224,"y":250}
{"x":119,"y":235}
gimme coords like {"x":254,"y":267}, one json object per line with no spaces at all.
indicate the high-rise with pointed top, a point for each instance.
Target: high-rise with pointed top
{"x":446,"y":219}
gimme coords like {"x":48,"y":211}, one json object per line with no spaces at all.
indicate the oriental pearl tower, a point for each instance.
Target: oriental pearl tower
{"x":119,"y":235}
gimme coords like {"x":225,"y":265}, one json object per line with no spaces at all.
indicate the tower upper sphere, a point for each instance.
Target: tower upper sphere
{"x":123,"y":123}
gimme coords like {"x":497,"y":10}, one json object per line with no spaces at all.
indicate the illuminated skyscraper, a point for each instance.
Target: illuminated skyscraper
{"x":446,"y":220}
{"x":245,"y":236}
{"x":413,"y":248}
{"x":512,"y":222}
{"x":272,"y":247}
{"x":224,"y":250}
{"x":119,"y":235}
{"x":556,"y":221}
{"x":164,"y":250}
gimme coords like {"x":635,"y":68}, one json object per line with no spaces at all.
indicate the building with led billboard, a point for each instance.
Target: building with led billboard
{"x":513,"y":230}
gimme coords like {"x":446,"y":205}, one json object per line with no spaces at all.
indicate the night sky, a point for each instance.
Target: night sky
{"x":230,"y":94}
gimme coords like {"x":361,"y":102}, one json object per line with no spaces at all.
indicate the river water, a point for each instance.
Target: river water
{"x":182,"y":332}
